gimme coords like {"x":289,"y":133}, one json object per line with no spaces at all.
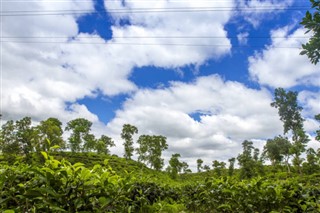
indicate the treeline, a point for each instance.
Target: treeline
{"x":22,"y":138}
{"x":279,"y":150}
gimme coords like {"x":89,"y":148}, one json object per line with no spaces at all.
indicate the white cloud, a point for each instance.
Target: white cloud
{"x":254,"y":11}
{"x":170,"y":28}
{"x":38,"y":74}
{"x":231,"y":114}
{"x":243,"y":38}
{"x":278,"y":65}
{"x":310,"y":102}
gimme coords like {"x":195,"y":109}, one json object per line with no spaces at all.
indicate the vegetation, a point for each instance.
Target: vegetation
{"x":311,"y":22}
{"x":80,"y":175}
{"x":127,"y":132}
{"x":60,"y":186}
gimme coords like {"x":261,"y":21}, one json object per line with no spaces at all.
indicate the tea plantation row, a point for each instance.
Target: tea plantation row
{"x":60,"y":186}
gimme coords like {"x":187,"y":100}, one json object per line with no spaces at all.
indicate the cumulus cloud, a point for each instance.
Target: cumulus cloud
{"x":278,"y":65}
{"x":157,"y":27}
{"x":40,"y":76}
{"x":34,"y":82}
{"x":310,"y":102}
{"x":254,"y":11}
{"x":230,"y":113}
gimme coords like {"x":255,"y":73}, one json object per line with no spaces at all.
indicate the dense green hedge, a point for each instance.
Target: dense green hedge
{"x":60,"y":186}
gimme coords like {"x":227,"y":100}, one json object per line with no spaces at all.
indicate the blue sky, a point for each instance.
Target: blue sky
{"x":202,"y":73}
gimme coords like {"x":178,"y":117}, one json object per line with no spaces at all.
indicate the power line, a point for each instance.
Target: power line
{"x":146,"y":37}
{"x":147,"y":44}
{"x":148,"y":10}
{"x":175,"y":1}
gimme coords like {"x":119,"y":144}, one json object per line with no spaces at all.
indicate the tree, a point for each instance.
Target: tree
{"x":27,"y":137}
{"x":90,"y":143}
{"x":199,"y":164}
{"x":311,"y":166}
{"x":289,"y":112}
{"x":50,"y":129}
{"x":246,"y":162}
{"x":185,"y":167}
{"x":80,"y":137}
{"x":206,"y":168}
{"x":150,"y":150}
{"x":218,"y":167}
{"x":312,"y":23}
{"x":277,"y":150}
{"x":127,"y":132}
{"x":317,"y":117}
{"x":103,"y":143}
{"x":258,"y":161}
{"x":175,"y":165}
{"x":231,"y":166}
{"x":9,"y":144}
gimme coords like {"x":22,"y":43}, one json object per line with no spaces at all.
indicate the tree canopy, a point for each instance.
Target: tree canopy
{"x":150,"y":150}
{"x":311,"y":22}
{"x":127,"y":132}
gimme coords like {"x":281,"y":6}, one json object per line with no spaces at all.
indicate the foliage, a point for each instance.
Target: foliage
{"x":312,"y":23}
{"x":80,"y":138}
{"x":8,"y":143}
{"x":199,"y":164}
{"x":19,"y":138}
{"x":317,"y":117}
{"x":127,"y":132}
{"x":60,"y":186}
{"x":150,"y":150}
{"x":103,"y":144}
{"x":175,"y":165}
{"x":50,"y":129}
{"x":288,"y":109}
{"x":277,"y":150}
{"x":231,"y":166}
{"x":255,"y":195}
{"x":289,"y":112}
{"x":218,"y":167}
{"x":246,"y":161}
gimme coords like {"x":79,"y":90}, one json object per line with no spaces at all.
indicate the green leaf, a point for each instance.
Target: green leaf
{"x":76,"y":165}
{"x":9,"y":211}
{"x":45,"y":155}
{"x":54,"y":147}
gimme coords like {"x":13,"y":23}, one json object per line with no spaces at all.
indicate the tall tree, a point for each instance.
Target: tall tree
{"x":206,"y":168}
{"x":51,"y":129}
{"x":246,"y":161}
{"x":127,"y":132}
{"x":312,"y":165}
{"x":277,"y":150}
{"x":231,"y":166}
{"x":312,"y":23}
{"x":185,"y":167}
{"x":218,"y":167}
{"x":27,"y":136}
{"x":290,"y":114}
{"x":199,"y":164}
{"x":89,"y":143}
{"x":103,"y":144}
{"x":80,"y":134}
{"x":317,"y":117}
{"x":9,"y":144}
{"x":150,"y":150}
{"x":175,"y":165}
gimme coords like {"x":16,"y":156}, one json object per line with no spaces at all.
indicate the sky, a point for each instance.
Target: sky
{"x":200,"y":72}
